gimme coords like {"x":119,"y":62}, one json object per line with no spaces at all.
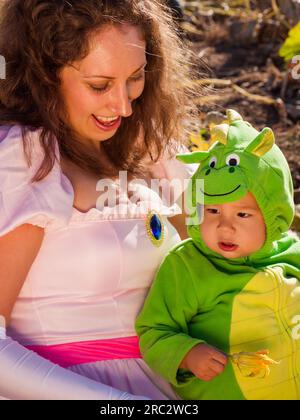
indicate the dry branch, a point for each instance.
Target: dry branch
{"x":265,"y":100}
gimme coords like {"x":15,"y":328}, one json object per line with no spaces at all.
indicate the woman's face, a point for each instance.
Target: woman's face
{"x":102,"y":86}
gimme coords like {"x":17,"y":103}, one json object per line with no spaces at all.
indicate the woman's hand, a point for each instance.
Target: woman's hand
{"x":204,"y":361}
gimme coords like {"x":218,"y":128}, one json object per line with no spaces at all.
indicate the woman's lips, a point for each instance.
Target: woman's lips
{"x":107,"y":127}
{"x":227,"y":246}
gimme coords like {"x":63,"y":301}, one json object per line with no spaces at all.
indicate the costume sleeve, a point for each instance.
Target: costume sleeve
{"x":162,"y":325}
{"x":39,"y":203}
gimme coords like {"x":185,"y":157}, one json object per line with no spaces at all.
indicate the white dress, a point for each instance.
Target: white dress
{"x":93,"y":271}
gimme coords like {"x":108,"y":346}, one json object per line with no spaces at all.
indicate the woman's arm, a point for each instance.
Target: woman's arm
{"x":18,"y":250}
{"x":179,"y":223}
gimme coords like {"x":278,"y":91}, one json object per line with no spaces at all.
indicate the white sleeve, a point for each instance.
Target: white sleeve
{"x":21,"y":201}
{"x":27,"y":376}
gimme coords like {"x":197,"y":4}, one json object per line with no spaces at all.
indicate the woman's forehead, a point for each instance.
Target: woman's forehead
{"x":114,"y":49}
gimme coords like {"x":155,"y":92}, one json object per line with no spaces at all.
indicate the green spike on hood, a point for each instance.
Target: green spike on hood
{"x":248,"y":160}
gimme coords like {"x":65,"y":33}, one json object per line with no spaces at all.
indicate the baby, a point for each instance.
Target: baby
{"x":230,"y":294}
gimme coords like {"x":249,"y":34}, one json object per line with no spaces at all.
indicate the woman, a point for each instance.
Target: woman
{"x":93,"y":92}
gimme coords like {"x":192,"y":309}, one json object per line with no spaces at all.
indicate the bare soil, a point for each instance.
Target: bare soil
{"x":241,"y":53}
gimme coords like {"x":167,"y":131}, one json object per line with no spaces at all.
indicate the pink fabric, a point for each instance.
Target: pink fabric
{"x":71,"y":354}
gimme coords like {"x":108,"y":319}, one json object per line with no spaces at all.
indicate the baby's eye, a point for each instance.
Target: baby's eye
{"x":212,"y":211}
{"x":232,"y":160}
{"x":244,"y":215}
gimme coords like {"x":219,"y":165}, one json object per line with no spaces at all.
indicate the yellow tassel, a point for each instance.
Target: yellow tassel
{"x":253,"y":364}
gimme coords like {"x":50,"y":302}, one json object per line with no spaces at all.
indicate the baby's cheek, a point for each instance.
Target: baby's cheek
{"x":207,"y":233}
{"x":203,"y":230}
{"x":260,"y":238}
{"x":255,"y":237}
{"x":261,"y":231}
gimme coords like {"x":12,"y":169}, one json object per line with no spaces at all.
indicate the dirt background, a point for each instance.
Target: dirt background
{"x":236,"y":44}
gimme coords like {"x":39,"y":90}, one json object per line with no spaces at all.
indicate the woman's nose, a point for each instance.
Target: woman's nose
{"x":120,"y":103}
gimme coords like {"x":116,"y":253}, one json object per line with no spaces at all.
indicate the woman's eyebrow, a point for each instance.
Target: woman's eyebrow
{"x":111,"y":78}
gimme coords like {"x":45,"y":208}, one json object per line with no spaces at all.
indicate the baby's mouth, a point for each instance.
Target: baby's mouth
{"x":227,"y":246}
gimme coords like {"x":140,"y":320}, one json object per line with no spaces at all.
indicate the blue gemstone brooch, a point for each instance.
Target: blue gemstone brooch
{"x":155,"y":228}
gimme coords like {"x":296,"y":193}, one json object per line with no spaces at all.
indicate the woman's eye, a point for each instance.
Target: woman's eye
{"x":137,"y":78}
{"x":101,"y":89}
{"x":244,"y":215}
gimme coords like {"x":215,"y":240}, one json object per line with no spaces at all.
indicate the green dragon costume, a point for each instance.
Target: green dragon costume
{"x":236,"y":305}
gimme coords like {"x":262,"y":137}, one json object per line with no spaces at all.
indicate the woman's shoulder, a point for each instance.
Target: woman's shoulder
{"x":12,"y":134}
{"x":14,"y":169}
{"x":24,"y":201}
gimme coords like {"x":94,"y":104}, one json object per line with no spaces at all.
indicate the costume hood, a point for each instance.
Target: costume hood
{"x":243,"y":160}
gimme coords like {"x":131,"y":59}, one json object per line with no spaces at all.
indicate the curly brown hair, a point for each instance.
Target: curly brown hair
{"x":39,"y":37}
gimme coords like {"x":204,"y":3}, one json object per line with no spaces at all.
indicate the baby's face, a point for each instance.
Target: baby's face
{"x":234,"y":229}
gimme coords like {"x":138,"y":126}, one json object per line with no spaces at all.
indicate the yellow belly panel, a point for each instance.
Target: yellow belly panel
{"x":266,"y":315}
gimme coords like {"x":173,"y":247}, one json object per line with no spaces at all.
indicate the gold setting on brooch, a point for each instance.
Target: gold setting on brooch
{"x":155,"y":228}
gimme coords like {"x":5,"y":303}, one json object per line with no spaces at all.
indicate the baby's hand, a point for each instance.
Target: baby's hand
{"x":204,"y":361}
